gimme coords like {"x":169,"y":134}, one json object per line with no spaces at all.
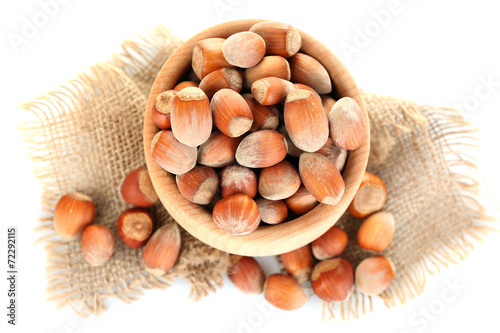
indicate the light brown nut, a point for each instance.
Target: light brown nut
{"x":135,"y":226}
{"x":270,"y":66}
{"x":208,"y":57}
{"x":162,"y":250}
{"x":244,"y":49}
{"x":347,"y":128}
{"x":162,"y":109}
{"x":224,"y":78}
{"x":219,"y":150}
{"x":191,"y":117}
{"x":301,"y":201}
{"x":171,"y":155}
{"x":279,"y":181}
{"x":370,"y":197}
{"x":281,"y":38}
{"x":238,"y":179}
{"x":262,"y":149}
{"x":284,"y":292}
{"x":247,"y":276}
{"x":98,"y":244}
{"x":334,"y":154}
{"x":321,"y":178}
{"x":237,"y":214}
{"x":309,"y":71}
{"x":299,"y":263}
{"x":72,"y":214}
{"x":305,"y":120}
{"x":271,"y":90}
{"x":333,"y":280}
{"x":137,"y":189}
{"x":374,"y":275}
{"x":186,"y":84}
{"x":199,"y":185}
{"x":331,"y":244}
{"x":376,"y":232}
{"x":272,"y":211}
{"x":232,"y":115}
{"x":264,"y":116}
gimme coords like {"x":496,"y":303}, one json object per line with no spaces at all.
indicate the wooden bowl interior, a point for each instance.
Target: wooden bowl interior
{"x":266,"y":240}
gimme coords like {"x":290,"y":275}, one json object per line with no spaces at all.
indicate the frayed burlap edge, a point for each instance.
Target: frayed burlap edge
{"x":458,"y":136}
{"x":136,"y":66}
{"x":59,"y":290}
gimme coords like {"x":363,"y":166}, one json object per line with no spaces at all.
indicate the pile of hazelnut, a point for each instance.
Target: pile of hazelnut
{"x":283,"y":138}
{"x":74,"y":215}
{"x":331,"y":276}
{"x":261,"y":121}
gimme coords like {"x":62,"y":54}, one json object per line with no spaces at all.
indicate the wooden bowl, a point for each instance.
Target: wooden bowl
{"x":266,"y":240}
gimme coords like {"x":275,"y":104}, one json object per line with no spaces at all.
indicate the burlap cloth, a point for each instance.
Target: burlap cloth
{"x":87,"y":136}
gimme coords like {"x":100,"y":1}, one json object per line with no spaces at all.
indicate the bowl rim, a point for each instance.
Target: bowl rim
{"x":264,"y":241}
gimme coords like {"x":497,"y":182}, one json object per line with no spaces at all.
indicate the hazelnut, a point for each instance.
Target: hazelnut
{"x":247,"y":276}
{"x":321,"y":178}
{"x":281,"y":38}
{"x":333,"y":280}
{"x":224,"y":78}
{"x":191,"y":117}
{"x":299,"y":263}
{"x":270,"y":66}
{"x":271,"y":90}
{"x":307,"y":70}
{"x":198,"y":185}
{"x":301,"y":202}
{"x":98,"y":244}
{"x":72,"y":214}
{"x":284,"y":292}
{"x":208,"y":57}
{"x":232,"y":115}
{"x":376,"y":232}
{"x":238,"y":179}
{"x":135,"y":226}
{"x":374,"y":275}
{"x":261,"y":149}
{"x":272,"y":211}
{"x":370,"y":197}
{"x":347,"y":127}
{"x":162,"y":109}
{"x":162,"y":250}
{"x":244,"y":49}
{"x":334,"y":154}
{"x":218,"y":150}
{"x":186,"y":84}
{"x":137,"y":189}
{"x":307,"y":130}
{"x":331,"y":244}
{"x":172,"y":155}
{"x":279,"y":181}
{"x":264,"y":116}
{"x":237,"y":214}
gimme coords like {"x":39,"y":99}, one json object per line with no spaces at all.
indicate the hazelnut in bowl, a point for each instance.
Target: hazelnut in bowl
{"x":262,"y":115}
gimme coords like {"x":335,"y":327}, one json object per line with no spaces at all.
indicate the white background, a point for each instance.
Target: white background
{"x":428,"y":51}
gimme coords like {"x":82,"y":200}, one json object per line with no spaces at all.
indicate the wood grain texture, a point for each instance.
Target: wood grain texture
{"x":266,"y":240}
